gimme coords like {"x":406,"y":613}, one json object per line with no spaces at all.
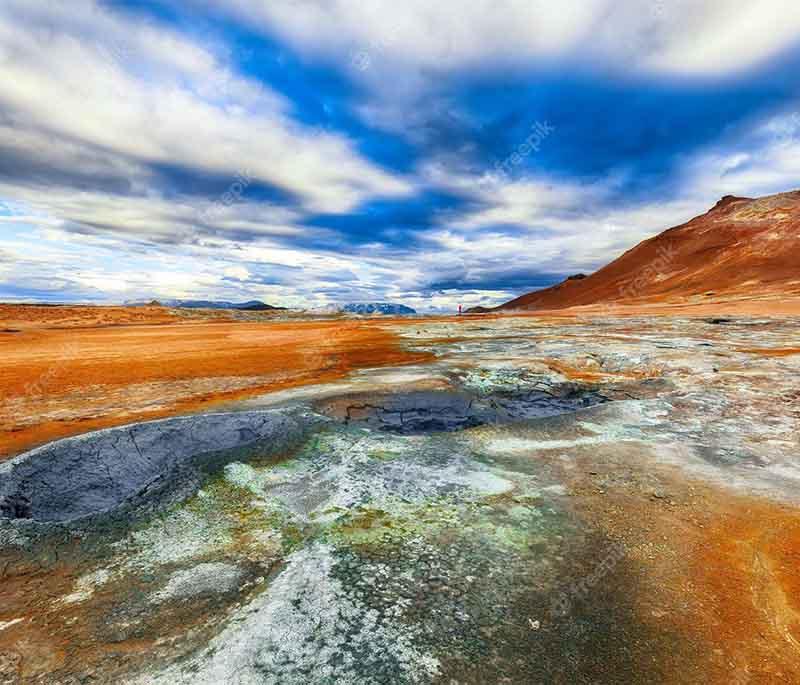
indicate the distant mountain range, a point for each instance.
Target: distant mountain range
{"x":362,"y":308}
{"x":741,"y":248}
{"x":384,"y":308}
{"x":252,"y":305}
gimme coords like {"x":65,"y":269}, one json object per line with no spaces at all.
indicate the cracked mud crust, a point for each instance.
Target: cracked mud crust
{"x":100,"y":472}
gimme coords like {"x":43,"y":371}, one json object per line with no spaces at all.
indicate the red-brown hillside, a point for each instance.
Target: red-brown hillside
{"x":742,"y":247}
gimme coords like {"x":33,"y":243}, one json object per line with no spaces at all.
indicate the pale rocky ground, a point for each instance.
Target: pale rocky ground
{"x":574,"y":501}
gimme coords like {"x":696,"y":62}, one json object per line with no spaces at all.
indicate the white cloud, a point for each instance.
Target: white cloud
{"x":238,"y":273}
{"x":102,"y":86}
{"x":93,"y":100}
{"x":670,"y":37}
{"x":771,"y":168}
{"x":723,"y":37}
{"x":440,"y":35}
{"x":153,"y":218}
{"x":527,"y":201}
{"x":545,"y":225}
{"x":558,"y":227}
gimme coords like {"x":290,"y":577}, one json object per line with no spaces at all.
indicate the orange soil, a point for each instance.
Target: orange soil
{"x":71,"y":369}
{"x":717,"y":567}
{"x":26,"y":316}
{"x":749,"y":563}
{"x":767,"y":352}
{"x":59,"y":382}
{"x":588,"y":375}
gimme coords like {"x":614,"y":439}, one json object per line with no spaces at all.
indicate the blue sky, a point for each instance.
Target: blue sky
{"x":307,"y":153}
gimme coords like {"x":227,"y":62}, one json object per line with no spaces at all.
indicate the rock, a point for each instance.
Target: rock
{"x":427,"y":411}
{"x":10,"y":666}
{"x":659,"y":494}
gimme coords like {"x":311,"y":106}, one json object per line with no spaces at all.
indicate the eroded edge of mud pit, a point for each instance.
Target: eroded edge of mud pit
{"x":141,"y":466}
{"x":429,"y":411}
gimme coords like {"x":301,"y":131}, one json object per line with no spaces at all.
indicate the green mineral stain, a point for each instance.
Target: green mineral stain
{"x":384,"y":454}
{"x":244,"y":514}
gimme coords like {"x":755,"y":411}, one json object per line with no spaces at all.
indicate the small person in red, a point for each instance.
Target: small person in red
{"x":459,"y":310}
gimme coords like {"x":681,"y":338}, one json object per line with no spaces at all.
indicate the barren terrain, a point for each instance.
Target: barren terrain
{"x":577,"y":499}
{"x":741,"y":251}
{"x":72,"y":369}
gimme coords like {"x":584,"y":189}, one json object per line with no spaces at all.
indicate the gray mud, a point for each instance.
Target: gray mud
{"x":150,"y":463}
{"x":421,"y":412}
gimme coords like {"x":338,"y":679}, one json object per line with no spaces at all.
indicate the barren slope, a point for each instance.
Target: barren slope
{"x":740,"y":248}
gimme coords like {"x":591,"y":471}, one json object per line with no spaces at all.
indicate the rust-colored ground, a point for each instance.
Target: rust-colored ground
{"x":67,"y":370}
{"x":740,"y":249}
{"x":781,"y":352}
{"x":56,"y":382}
{"x":15,"y":317}
{"x":590,"y":374}
{"x":717,"y":568}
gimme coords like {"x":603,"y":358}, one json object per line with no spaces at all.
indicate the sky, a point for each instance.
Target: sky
{"x":313,"y":152}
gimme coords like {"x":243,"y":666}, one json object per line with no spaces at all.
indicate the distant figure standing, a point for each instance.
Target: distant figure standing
{"x":459,"y":310}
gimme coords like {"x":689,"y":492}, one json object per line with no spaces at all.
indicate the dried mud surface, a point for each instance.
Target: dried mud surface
{"x":531,"y":501}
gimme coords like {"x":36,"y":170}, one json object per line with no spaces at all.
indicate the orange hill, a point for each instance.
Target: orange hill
{"x":741,"y":248}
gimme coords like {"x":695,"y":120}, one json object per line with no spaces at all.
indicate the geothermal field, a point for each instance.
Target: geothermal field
{"x":432,"y":342}
{"x":518,"y":499}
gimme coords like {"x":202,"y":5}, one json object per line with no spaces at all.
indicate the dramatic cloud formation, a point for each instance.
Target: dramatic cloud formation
{"x":431,"y":153}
